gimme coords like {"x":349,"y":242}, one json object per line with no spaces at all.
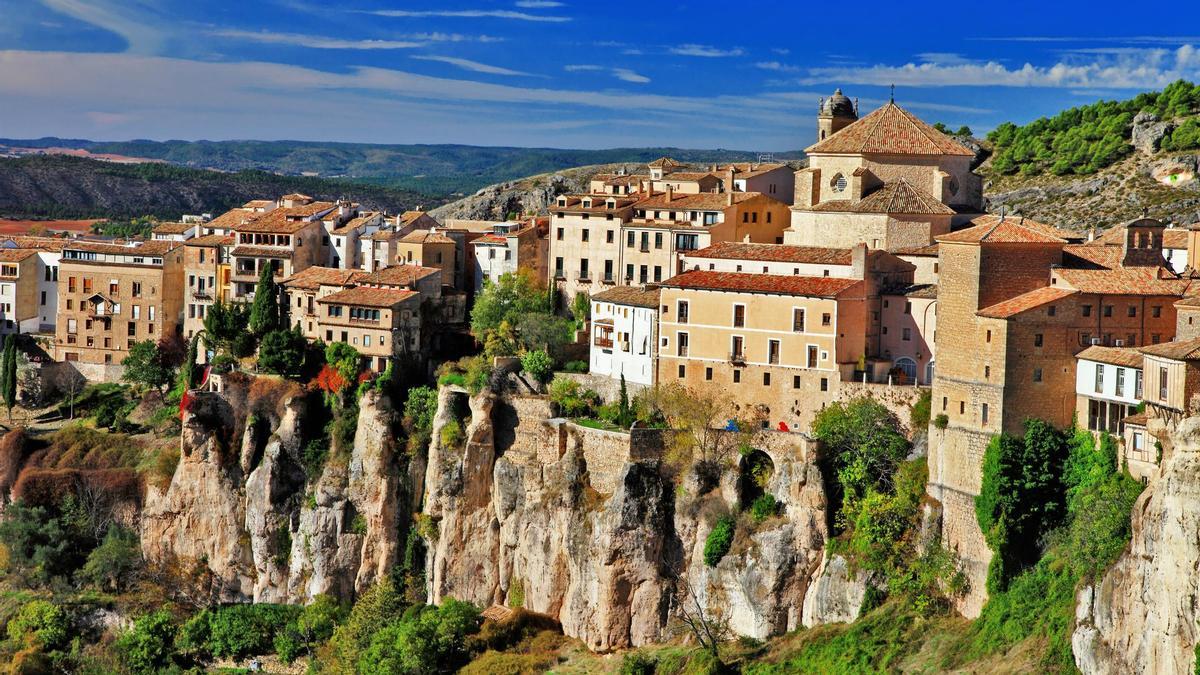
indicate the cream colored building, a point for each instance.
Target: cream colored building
{"x":303,"y":289}
{"x":888,"y":180}
{"x":381,"y":323}
{"x":205,"y":278}
{"x":112,"y":296}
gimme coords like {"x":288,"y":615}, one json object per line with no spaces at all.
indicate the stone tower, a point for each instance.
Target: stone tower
{"x":834,"y":114}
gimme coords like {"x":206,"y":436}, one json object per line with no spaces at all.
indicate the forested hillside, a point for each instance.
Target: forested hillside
{"x":69,"y":187}
{"x":1086,"y":139}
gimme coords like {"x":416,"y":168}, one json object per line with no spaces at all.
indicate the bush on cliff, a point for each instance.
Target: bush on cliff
{"x":719,"y":540}
{"x":235,"y":631}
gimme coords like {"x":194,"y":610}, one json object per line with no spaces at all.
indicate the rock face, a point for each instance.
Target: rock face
{"x":524,"y":517}
{"x":496,"y":202}
{"x":1142,"y":616}
{"x":1148,"y":131}
{"x":254,"y":520}
{"x":836,"y":595}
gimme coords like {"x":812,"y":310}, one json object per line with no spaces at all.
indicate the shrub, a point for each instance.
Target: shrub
{"x":315,"y":624}
{"x":719,"y":540}
{"x":282,"y":352}
{"x":638,"y":663}
{"x":313,"y":456}
{"x":941,"y":421}
{"x":538,"y":365}
{"x":572,"y":400}
{"x":149,"y":645}
{"x":763,"y":507}
{"x":452,"y":435}
{"x":919,"y":415}
{"x":235,"y":631}
{"x":111,"y":563}
{"x":40,"y":623}
{"x":576,"y":366}
{"x":428,"y":639}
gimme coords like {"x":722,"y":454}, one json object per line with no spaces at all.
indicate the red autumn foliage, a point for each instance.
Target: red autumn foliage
{"x":12,"y":455}
{"x":46,"y":487}
{"x":329,"y":380}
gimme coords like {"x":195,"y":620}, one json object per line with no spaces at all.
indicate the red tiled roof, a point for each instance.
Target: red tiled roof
{"x":399,"y":275}
{"x":39,"y":243}
{"x":368,"y":297}
{"x":354,"y":223}
{"x":778,"y":284}
{"x":901,"y":197}
{"x":312,"y":278}
{"x":409,"y":216}
{"x":664,"y":162}
{"x":491,"y":239}
{"x":173,"y":228}
{"x":1175,"y":237}
{"x":1125,"y":281}
{"x":1006,"y":230}
{"x":234,"y":217}
{"x":774,"y":253}
{"x":745,"y":170}
{"x":635,"y":296}
{"x":281,"y":221}
{"x":15,"y":254}
{"x":1180,"y":350}
{"x":1107,"y":257}
{"x":211,"y":240}
{"x":890,"y":130}
{"x":925,"y":251}
{"x":426,"y":237}
{"x":1117,"y":356}
{"x":993,"y":219}
{"x":1025,"y":302}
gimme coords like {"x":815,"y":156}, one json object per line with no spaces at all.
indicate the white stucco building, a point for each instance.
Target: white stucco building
{"x":624,"y":334}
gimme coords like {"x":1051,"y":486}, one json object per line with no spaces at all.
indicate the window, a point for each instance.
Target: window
{"x":708,"y":373}
{"x":737,"y":347}
{"x":658,"y":240}
{"x":681,"y":312}
{"x":766,"y":379}
{"x":907,"y":334}
{"x":985,"y":413}
{"x":584,"y":235}
{"x":962,"y":407}
{"x":682,"y":371}
{"x":1087,"y":310}
{"x":1156,"y":312}
{"x":645,"y":241}
{"x":608,"y":236}
{"x":1132,"y":311}
{"x":629,"y":273}
{"x":642,"y":270}
{"x":1051,"y":310}
{"x":137,"y":289}
{"x":152,"y":308}
{"x":629,"y":240}
{"x":681,"y":342}
{"x":826,"y":319}
{"x":559,"y":235}
{"x":795,"y":382}
{"x":987,"y":372}
{"x":907,"y":307}
{"x":1099,"y":378}
{"x":824,"y":384}
{"x":838,"y":183}
{"x":70,"y":284}
{"x":657,"y":273}
{"x":1120,"y":381}
{"x":773,"y":351}
{"x":737,"y":376}
{"x":739,"y":316}
{"x":1162,"y":384}
{"x":797,"y":320}
{"x":1037,"y":340}
{"x":1037,"y":374}
{"x":812,"y":356}
{"x":1108,"y":310}
{"x":1137,"y":384}
{"x":988,"y":338}
{"x":558,"y":268}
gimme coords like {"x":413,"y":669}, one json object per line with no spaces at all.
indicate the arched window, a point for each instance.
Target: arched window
{"x":908,"y":367}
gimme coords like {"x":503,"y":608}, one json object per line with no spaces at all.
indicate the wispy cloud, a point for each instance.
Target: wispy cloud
{"x":473,"y":66}
{"x":778,"y":67}
{"x":538,"y":4}
{"x":470,"y":14}
{"x":705,"y":51}
{"x":1125,"y":70}
{"x":623,"y":74}
{"x":313,"y":41}
{"x":628,"y":75}
{"x":782,"y":51}
{"x":452,"y":37}
{"x":140,"y":33}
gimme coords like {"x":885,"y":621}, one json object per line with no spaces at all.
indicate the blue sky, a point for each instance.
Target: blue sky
{"x":559,"y":73}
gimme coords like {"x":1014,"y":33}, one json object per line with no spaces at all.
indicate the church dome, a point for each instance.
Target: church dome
{"x":838,"y":105}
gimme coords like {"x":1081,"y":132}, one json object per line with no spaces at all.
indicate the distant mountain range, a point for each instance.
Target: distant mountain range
{"x":436,"y":170}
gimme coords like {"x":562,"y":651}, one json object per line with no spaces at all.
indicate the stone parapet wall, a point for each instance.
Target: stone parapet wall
{"x":609,"y":388}
{"x":899,"y":399}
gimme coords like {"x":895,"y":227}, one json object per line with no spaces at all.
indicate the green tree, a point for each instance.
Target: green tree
{"x":40,"y":623}
{"x":344,"y":358}
{"x":429,"y":640}
{"x":512,"y":295}
{"x":282,"y":352}
{"x":113,"y":562}
{"x":862,"y":445}
{"x":265,"y":312}
{"x":8,"y":376}
{"x":538,"y":365}
{"x":189,"y":371}
{"x":149,"y":365}
{"x":225,"y":324}
{"x":41,"y":545}
{"x":315,"y":625}
{"x":149,"y":645}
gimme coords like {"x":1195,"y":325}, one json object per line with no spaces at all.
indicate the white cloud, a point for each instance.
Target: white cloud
{"x":582,"y":67}
{"x":452,"y":37}
{"x":538,"y":4}
{"x":470,"y":14}
{"x":313,"y":41}
{"x":782,"y":51}
{"x":1138,"y":70}
{"x":705,"y":51}
{"x":121,"y":18}
{"x":473,"y":66}
{"x":777,"y":67}
{"x":628,"y":75}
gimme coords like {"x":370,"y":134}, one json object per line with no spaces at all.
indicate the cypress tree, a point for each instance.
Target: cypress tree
{"x":188,"y":372}
{"x":265,"y":312}
{"x":8,"y":375}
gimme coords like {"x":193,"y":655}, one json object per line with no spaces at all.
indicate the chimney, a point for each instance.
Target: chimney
{"x":1193,"y":246}
{"x":670,"y":193}
{"x":729,"y":199}
{"x":858,"y":261}
{"x":729,"y":179}
{"x":1092,"y":233}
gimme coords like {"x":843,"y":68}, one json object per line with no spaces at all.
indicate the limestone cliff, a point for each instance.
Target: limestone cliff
{"x":263,"y":530}
{"x":586,"y":526}
{"x":1142,"y":616}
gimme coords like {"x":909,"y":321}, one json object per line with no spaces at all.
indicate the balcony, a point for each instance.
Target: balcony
{"x":603,"y":343}
{"x":737,"y":358}
{"x":201,"y":295}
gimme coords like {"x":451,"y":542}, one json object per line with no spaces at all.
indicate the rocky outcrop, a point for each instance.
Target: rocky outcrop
{"x":499,"y":201}
{"x":1148,"y":131}
{"x":836,"y":595}
{"x":1142,"y":615}
{"x":521,"y":519}
{"x":263,"y":530}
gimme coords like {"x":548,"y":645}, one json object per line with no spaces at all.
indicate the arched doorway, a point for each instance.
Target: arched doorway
{"x":908,"y":369}
{"x":754,"y":474}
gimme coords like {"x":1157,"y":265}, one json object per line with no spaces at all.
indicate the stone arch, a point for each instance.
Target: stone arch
{"x":755,"y":470}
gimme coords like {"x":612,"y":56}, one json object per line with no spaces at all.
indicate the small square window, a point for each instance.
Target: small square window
{"x":737,"y":376}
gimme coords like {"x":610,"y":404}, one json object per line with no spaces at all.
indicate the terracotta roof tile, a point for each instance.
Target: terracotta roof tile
{"x":261,"y":252}
{"x":890,"y":130}
{"x":211,"y":240}
{"x":1125,"y":281}
{"x":409,"y":216}
{"x":354,"y":223}
{"x":1189,"y":301}
{"x":663,"y":162}
{"x":368,"y":297}
{"x":258,"y":204}
{"x":491,"y":240}
{"x":993,"y":219}
{"x":778,"y":284}
{"x":399,"y":275}
{"x":1181,"y":350}
{"x":924,"y":251}
{"x":635,"y":296}
{"x":1006,"y":230}
{"x":426,"y":237}
{"x":1117,"y":356}
{"x":312,"y":278}
{"x":39,"y":243}
{"x":280,"y":221}
{"x":1175,"y":237}
{"x":156,"y":247}
{"x":901,"y":197}
{"x":1089,"y":255}
{"x":16,"y":254}
{"x":1025,"y":302}
{"x":745,"y":170}
{"x":173,"y":228}
{"x":774,"y":253}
